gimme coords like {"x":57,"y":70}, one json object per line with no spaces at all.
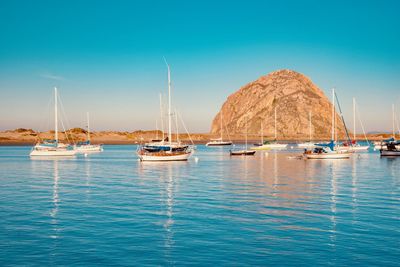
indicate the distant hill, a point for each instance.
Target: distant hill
{"x":293,"y":95}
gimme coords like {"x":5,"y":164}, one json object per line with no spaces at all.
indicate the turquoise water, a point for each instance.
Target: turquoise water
{"x":111,"y":209}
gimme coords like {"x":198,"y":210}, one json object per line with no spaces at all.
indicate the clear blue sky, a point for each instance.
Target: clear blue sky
{"x":107,"y":56}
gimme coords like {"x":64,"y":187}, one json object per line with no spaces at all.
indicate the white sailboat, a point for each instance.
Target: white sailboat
{"x":53,"y":147}
{"x":219,"y":141}
{"x":354,"y":146}
{"x":259,"y":146}
{"x":274,"y":144}
{"x":328,"y":151}
{"x":308,"y":144}
{"x":87,"y":146}
{"x":166,"y":151}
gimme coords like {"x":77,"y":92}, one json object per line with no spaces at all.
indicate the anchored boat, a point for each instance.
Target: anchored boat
{"x":243,"y":152}
{"x":329,"y":150}
{"x":390,"y":148}
{"x":87,"y":146}
{"x":308,"y":144}
{"x":52,"y":147}
{"x":266,"y":145}
{"x":166,"y":150}
{"x":353,"y":145}
{"x":219,"y":141}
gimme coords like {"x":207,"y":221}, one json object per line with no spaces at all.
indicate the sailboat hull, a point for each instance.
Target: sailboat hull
{"x":271,"y":146}
{"x":219,"y":144}
{"x":359,"y":148}
{"x":327,"y":156}
{"x":242,"y":153}
{"x":88,"y":148}
{"x":305,"y":145}
{"x":390,"y":153}
{"x":164,"y":156}
{"x":55,"y":152}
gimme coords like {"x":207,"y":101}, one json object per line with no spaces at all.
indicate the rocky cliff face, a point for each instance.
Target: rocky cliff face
{"x":292,"y":94}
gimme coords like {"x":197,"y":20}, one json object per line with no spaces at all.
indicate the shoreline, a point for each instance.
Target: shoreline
{"x":28,"y":137}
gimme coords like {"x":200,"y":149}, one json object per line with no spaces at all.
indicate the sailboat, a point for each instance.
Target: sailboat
{"x":328,"y":151}
{"x":259,"y":146}
{"x":353,"y":145}
{"x":390,"y":147}
{"x":165,"y":150}
{"x":274,"y":144}
{"x":378,"y":145}
{"x":308,"y":144}
{"x":242,"y":152}
{"x":87,"y":146}
{"x":53,"y":147}
{"x":219,"y":141}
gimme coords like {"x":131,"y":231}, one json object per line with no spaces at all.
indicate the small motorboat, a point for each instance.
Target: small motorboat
{"x":243,"y":152}
{"x":390,"y":149}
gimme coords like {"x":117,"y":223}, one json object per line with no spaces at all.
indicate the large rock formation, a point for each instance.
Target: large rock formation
{"x":292,"y":94}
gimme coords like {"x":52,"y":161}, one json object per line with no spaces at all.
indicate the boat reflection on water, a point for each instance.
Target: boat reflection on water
{"x":169,"y":203}
{"x":333,"y":194}
{"x":54,"y":210}
{"x":168,"y":174}
{"x":275,"y":175}
{"x":53,"y":158}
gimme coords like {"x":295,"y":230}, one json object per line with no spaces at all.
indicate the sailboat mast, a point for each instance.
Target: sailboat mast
{"x":169,"y":106}
{"x":176,"y":125}
{"x":354,"y":119}
{"x":55,"y":115}
{"x":156,"y":129}
{"x":310,"y":126}
{"x":275,"y":123}
{"x":221,"y":123}
{"x":88,"y":126}
{"x":333,"y":115}
{"x":246,"y":134}
{"x":262,"y":132}
{"x":394,"y":133}
{"x":162,"y":119}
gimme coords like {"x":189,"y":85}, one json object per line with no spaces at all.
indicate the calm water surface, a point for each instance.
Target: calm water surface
{"x":111,"y":209}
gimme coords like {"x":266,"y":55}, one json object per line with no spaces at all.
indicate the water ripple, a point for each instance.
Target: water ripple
{"x":111,"y":209}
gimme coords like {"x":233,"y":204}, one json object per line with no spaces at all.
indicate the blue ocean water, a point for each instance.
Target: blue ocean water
{"x":111,"y":209}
